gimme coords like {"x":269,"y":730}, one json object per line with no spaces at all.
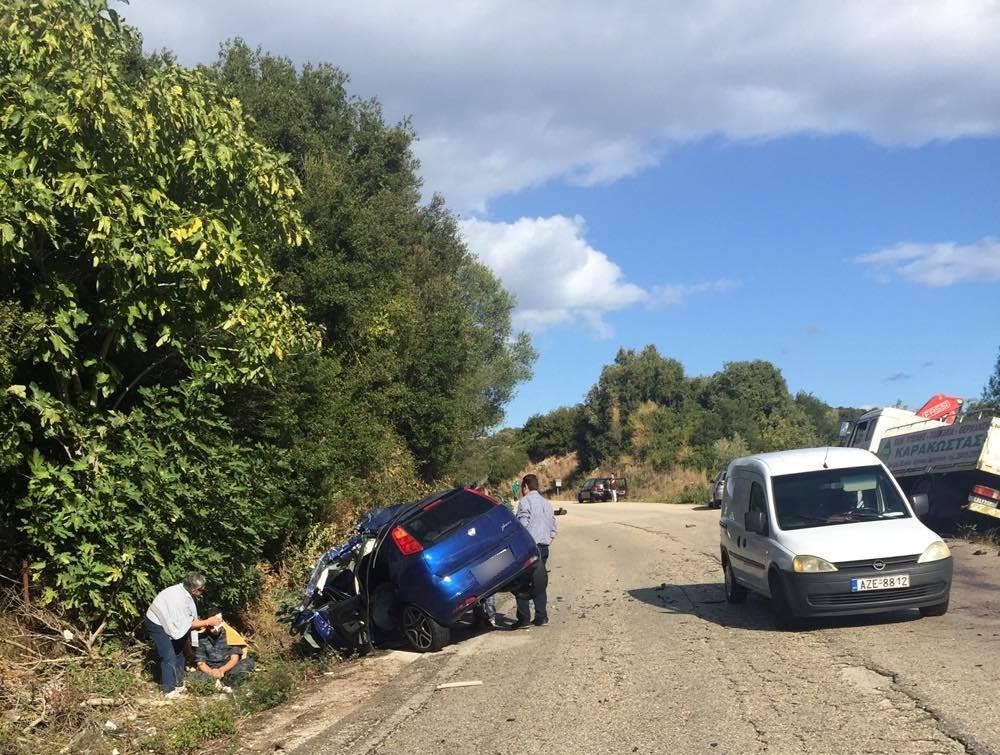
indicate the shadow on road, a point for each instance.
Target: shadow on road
{"x":708,"y":601}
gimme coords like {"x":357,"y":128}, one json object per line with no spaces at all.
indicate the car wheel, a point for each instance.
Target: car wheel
{"x":422,"y":632}
{"x":938,"y":609}
{"x":579,"y":499}
{"x":784,"y":616}
{"x":735,"y":592}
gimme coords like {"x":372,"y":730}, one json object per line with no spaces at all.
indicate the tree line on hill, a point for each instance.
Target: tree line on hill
{"x":226,"y":314}
{"x":644,"y":410}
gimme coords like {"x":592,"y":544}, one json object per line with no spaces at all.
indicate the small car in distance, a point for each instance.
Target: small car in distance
{"x":599,"y":489}
{"x":593,"y":490}
{"x":417,"y":568}
{"x":717,"y":487}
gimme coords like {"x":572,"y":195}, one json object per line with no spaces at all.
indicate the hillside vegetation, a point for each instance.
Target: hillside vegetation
{"x":646,"y":420}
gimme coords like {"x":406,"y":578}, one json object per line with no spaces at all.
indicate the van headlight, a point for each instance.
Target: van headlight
{"x":811,"y":564}
{"x":934,"y":552}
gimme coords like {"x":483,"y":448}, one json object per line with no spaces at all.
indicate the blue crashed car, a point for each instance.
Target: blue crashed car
{"x":417,"y":568}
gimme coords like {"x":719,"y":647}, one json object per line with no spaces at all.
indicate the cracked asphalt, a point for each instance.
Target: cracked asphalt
{"x":643,"y":655}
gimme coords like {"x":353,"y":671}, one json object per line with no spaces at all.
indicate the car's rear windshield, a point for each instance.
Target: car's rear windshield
{"x":439,"y":518}
{"x":836,"y":496}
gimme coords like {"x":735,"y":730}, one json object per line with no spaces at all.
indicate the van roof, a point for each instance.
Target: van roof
{"x":807,"y":460}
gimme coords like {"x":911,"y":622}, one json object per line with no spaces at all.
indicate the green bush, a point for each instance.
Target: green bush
{"x":155,"y":493}
{"x":209,"y":722}
{"x":692,"y":494}
{"x":271,"y":684}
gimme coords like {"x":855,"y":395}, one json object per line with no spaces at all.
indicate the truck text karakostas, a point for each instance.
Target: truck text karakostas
{"x":951,"y":457}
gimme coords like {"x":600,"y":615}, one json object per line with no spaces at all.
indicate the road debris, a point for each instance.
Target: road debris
{"x":452,"y":685}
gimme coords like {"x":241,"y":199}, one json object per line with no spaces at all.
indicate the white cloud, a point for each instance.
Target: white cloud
{"x":507,"y":95}
{"x":664,"y":296}
{"x":938,"y":264}
{"x":560,"y":279}
{"x":557,"y":277}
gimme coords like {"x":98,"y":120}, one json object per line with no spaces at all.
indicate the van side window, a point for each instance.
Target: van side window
{"x":757,"y":500}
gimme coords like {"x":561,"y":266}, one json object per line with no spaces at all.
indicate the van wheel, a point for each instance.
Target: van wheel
{"x":784,"y":616}
{"x":735,"y":592}
{"x":422,"y":632}
{"x":938,"y":609}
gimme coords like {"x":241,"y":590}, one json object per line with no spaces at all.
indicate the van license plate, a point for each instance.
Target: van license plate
{"x":890,"y":582}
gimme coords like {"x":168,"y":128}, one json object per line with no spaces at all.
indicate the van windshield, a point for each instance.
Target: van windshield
{"x":836,"y":496}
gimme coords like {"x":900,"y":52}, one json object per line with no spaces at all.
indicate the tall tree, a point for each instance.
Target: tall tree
{"x":991,"y":391}
{"x":419,"y":331}
{"x":135,"y":209}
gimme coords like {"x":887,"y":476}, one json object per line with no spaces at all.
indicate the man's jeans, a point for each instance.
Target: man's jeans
{"x":541,"y":600}
{"x":171,"y":654}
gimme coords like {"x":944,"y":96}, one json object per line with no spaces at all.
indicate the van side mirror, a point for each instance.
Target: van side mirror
{"x":921,"y":504}
{"x":845,"y":430}
{"x":755,"y":521}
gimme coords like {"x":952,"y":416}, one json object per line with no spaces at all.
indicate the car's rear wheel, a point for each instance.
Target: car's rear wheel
{"x":423,"y":633}
{"x":938,"y":609}
{"x":579,"y":498}
{"x":735,"y":592}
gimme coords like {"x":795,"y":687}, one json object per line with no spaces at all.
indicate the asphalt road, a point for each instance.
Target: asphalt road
{"x":643,"y":655}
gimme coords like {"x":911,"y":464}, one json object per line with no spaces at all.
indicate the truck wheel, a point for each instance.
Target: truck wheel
{"x":938,"y":609}
{"x":735,"y":592}
{"x":422,"y":632}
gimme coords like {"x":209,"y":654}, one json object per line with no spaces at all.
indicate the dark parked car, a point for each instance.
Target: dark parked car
{"x":599,"y":489}
{"x":417,"y":568}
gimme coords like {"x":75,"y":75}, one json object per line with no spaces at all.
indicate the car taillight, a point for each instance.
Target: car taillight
{"x":529,"y":562}
{"x":406,"y":542}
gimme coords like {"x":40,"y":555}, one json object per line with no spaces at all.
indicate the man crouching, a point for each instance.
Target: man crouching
{"x":221,"y":656}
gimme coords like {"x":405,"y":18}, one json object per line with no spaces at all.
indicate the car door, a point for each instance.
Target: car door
{"x":756,"y":545}
{"x":735,"y":500}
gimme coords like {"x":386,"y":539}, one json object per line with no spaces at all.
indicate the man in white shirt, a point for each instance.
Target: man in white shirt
{"x":170,"y":617}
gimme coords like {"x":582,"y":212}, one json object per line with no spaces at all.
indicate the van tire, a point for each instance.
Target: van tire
{"x":735,"y":592}
{"x":784,"y":616}
{"x":938,"y":609}
{"x":422,"y":633}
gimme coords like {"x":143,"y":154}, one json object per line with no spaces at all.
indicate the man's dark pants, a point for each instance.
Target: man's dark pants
{"x":171,"y":654}
{"x":541,"y":600}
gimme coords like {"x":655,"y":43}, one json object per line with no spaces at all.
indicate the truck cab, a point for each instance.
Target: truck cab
{"x":873,"y":426}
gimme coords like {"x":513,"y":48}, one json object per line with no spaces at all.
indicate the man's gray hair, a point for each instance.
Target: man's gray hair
{"x":194,"y":581}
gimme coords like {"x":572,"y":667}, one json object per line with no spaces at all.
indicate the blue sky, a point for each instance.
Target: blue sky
{"x":809,"y":184}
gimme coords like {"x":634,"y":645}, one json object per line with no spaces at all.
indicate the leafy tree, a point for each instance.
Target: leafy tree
{"x":153,"y":493}
{"x":725,"y":450}
{"x":495,"y":460}
{"x":551,"y":434}
{"x":634,"y":378}
{"x":135,"y":209}
{"x":991,"y":391}
{"x":418,"y":331}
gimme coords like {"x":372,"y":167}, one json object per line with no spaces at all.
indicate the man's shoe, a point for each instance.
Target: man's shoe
{"x":520,"y":624}
{"x":175,"y":693}
{"x":540,"y":622}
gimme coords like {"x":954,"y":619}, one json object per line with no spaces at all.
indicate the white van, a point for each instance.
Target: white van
{"x":827,"y":531}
